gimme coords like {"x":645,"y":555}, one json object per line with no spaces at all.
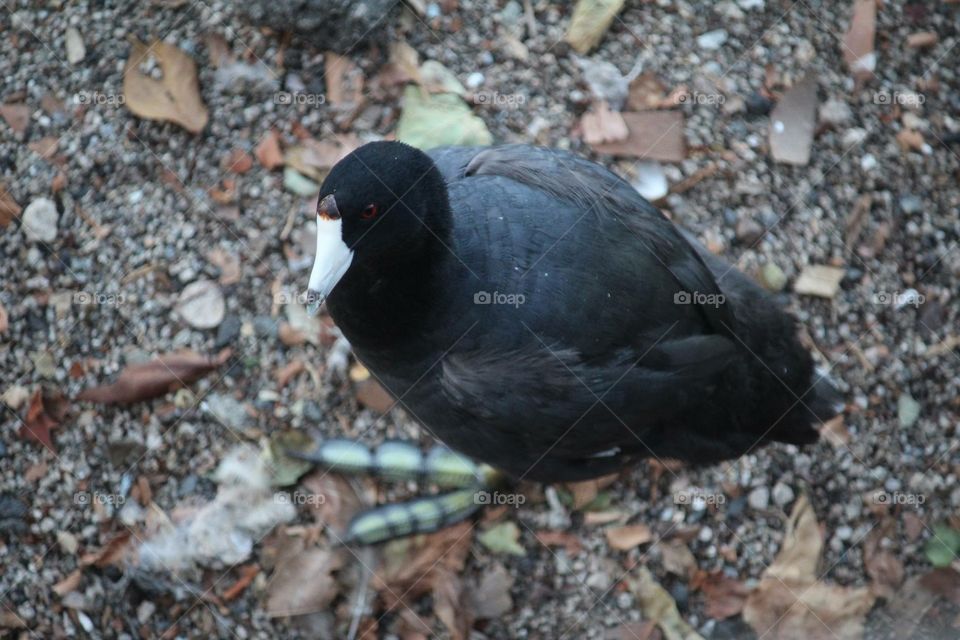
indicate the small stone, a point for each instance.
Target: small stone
{"x":759,"y":498}
{"x":712,"y":40}
{"x":145,"y":611}
{"x":844,"y":532}
{"x":76,"y":51}
{"x":475,"y":80}
{"x":651,"y":181}
{"x":227,"y":410}
{"x":908,"y":410}
{"x":835,"y":112}
{"x":911,"y":204}
{"x":299,"y":184}
{"x":40,"y":220}
{"x":68,"y":542}
{"x":773,"y":277}
{"x":758,"y":104}
{"x":201,"y":304}
{"x":868,"y":162}
{"x":705,"y":535}
{"x":751,"y":4}
{"x":228,"y":331}
{"x":749,"y":231}
{"x":782,"y":494}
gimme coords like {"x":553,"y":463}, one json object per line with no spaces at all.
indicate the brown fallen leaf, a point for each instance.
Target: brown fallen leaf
{"x":288,"y":372}
{"x":45,"y":147}
{"x":268,"y":151}
{"x":657,"y":135}
{"x":835,"y":432}
{"x":227,"y":263}
{"x":46,"y":411}
{"x":17,"y":117}
{"x":409,"y":565}
{"x":601,"y":125}
{"x":793,"y":122}
{"x":569,"y":541}
{"x":405,"y":62}
{"x":590,"y":21}
{"x":113,"y":553}
{"x":247,"y":574}
{"x":791,"y":602}
{"x":9,"y":209}
{"x":724,"y":596}
{"x":331,"y":498}
{"x":858,"y":41}
{"x":155,"y":378}
{"x":175,"y":98}
{"x":451,"y":605}
{"x":628,"y":537}
{"x":819,"y":280}
{"x":882,"y":564}
{"x":910,"y":140}
{"x":70,"y":583}
{"x":237,"y":161}
{"x":922,"y":39}
{"x":658,"y":606}
{"x":304,"y":583}
{"x":677,"y":558}
{"x":490,"y":596}
{"x":646,"y":93}
{"x":373,"y":396}
{"x":344,"y":81}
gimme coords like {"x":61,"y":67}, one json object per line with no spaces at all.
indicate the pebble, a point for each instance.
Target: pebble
{"x":911,"y":204}
{"x":76,"y":51}
{"x":712,"y":40}
{"x":299,"y":184}
{"x":651,"y":181}
{"x":759,"y":498}
{"x":145,"y":611}
{"x":758,"y":104}
{"x":844,"y":532}
{"x":705,"y":535}
{"x":201,"y":304}
{"x":835,"y":111}
{"x":782,"y":494}
{"x":228,"y":331}
{"x":475,"y":80}
{"x":908,"y":410}
{"x":227,"y":410}
{"x":868,"y":162}
{"x":773,"y":277}
{"x":749,"y":231}
{"x":40,"y":220}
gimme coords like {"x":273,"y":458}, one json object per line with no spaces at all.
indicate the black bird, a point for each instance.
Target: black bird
{"x":532,"y":311}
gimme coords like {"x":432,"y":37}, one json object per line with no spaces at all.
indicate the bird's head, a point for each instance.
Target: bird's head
{"x":381,"y":205}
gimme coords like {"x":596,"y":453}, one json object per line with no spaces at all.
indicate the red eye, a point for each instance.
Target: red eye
{"x":369,"y":212}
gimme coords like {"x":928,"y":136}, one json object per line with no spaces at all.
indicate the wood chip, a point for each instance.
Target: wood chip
{"x":819,"y":280}
{"x":858,"y":41}
{"x":657,"y":135}
{"x":922,"y":39}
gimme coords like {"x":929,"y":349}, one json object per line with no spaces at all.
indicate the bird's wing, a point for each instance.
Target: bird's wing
{"x":611,"y":202}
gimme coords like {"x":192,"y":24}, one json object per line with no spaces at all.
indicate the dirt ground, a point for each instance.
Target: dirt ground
{"x":115,"y":215}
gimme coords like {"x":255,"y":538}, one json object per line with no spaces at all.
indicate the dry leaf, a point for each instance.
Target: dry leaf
{"x":922,"y":40}
{"x":45,"y":147}
{"x":410,"y":564}
{"x":9,"y":209}
{"x":792,"y":123}
{"x":602,"y":125}
{"x":628,"y":537}
{"x":17,"y":117}
{"x":332,"y":499}
{"x":238,"y":161}
{"x":247,"y":574}
{"x":450,"y":604}
{"x":268,"y":151}
{"x":677,"y":558}
{"x":46,"y":411}
{"x":858,"y":50}
{"x":569,"y":541}
{"x":835,"y":432}
{"x":406,"y":60}
{"x":112,"y":553}
{"x":69,"y":583}
{"x":657,"y":605}
{"x":490,"y":597}
{"x":910,"y":140}
{"x":227,"y":263}
{"x":819,"y":280}
{"x":657,"y":135}
{"x":646,"y":93}
{"x":155,"y":378}
{"x":303,"y":583}
{"x":724,"y":596}
{"x":343,"y":79}
{"x":881,"y":564}
{"x":790,"y":601}
{"x":590,"y":21}
{"x":373,"y":396}
{"x":175,"y":98}
{"x":288,"y":372}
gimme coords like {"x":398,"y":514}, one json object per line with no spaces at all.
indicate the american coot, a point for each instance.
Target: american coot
{"x":532,"y":311}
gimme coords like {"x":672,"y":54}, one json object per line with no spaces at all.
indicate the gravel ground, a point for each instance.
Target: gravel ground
{"x":139,"y":214}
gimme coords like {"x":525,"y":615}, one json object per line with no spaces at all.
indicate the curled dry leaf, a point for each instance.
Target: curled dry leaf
{"x":304,"y":583}
{"x":657,"y":605}
{"x":602,"y":125}
{"x":174,"y":98}
{"x":724,"y":596}
{"x":791,"y":602}
{"x":410,"y":565}
{"x":451,"y":605}
{"x":628,"y":537}
{"x":46,"y":411}
{"x":268,"y":151}
{"x":591,"y":19}
{"x":155,"y":378}
{"x":882,"y":565}
{"x":9,"y":209}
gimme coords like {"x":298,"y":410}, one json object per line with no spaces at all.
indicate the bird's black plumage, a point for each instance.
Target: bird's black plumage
{"x":612,"y":335}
